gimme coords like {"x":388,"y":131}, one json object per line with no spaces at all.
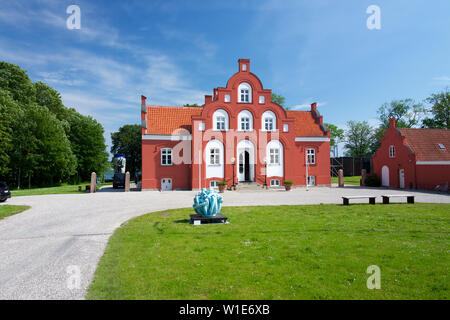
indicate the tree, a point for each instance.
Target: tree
{"x":358,"y":139}
{"x":88,"y":144}
{"x":48,"y":97}
{"x":128,"y":141}
{"x":406,"y":113}
{"x":8,"y":109}
{"x":191,"y":105}
{"x":279,"y":99}
{"x":440,"y":110}
{"x":15,"y":80}
{"x":336,"y":134}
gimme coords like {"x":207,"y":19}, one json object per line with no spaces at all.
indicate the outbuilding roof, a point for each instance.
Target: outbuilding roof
{"x":425,"y":143}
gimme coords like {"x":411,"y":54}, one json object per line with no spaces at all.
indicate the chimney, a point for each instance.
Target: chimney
{"x":314,"y":106}
{"x":143,"y":100}
{"x":244,"y":65}
{"x":143,"y":114}
{"x":208,"y":99}
{"x":391,"y":123}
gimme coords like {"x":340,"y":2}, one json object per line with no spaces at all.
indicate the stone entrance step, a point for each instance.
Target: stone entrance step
{"x":248,"y":186}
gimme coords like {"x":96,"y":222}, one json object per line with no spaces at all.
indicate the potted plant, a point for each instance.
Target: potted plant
{"x":288,"y":184}
{"x":222,"y":185}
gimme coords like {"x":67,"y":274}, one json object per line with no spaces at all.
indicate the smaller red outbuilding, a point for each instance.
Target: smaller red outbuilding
{"x":413,"y":158}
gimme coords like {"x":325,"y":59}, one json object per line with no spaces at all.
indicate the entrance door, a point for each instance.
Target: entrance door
{"x":244,"y":166}
{"x":166,"y":184}
{"x":385,"y":176}
{"x":401,"y":177}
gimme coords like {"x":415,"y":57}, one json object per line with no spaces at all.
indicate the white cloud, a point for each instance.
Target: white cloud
{"x":442,"y":79}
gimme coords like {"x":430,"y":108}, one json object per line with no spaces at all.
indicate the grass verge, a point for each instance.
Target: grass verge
{"x":353,"y":181}
{"x":7,"y":210}
{"x":280,"y":252}
{"x":64,"y":189}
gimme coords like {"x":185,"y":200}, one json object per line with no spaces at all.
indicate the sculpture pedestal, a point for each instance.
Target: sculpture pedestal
{"x":197,"y":219}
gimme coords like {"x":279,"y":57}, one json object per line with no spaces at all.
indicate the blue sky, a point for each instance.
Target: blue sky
{"x":174,"y":52}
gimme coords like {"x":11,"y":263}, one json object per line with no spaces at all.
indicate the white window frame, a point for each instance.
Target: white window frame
{"x":227,"y":98}
{"x":274,"y":156}
{"x":285,"y":127}
{"x":274,"y":182}
{"x":244,"y":93}
{"x":268,"y":121}
{"x":245,"y":124}
{"x":214,"y":184}
{"x":220,"y":120}
{"x":167,"y":153}
{"x":311,"y":181}
{"x":214,"y":156}
{"x":391,"y":151}
{"x":262,"y":99}
{"x":311,"y":155}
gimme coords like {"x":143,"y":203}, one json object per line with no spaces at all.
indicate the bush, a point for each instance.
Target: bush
{"x":288,"y":182}
{"x":372,"y":181}
{"x":222,"y":183}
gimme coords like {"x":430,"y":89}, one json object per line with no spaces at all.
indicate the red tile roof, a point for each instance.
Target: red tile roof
{"x":425,"y":143}
{"x":305,"y":124}
{"x":166,"y":120}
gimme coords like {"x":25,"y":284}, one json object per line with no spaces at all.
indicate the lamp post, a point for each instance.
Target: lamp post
{"x":265,"y":173}
{"x":233,"y":160}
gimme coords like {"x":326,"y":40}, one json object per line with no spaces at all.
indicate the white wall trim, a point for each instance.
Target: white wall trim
{"x":433,"y":162}
{"x":166,"y":137}
{"x":312,"y":139}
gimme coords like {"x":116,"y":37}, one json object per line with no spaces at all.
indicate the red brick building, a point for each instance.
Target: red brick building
{"x":238,"y":132}
{"x":413,"y":158}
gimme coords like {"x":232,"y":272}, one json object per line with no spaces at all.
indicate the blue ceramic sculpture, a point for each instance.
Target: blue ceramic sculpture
{"x":207,"y":203}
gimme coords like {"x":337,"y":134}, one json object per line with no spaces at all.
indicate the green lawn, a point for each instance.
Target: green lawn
{"x":64,"y":189}
{"x":354,"y":181}
{"x":8,"y":210}
{"x":280,"y":252}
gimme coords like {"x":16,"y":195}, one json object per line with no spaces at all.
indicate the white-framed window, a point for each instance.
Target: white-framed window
{"x":245,"y":121}
{"x":269,"y":122}
{"x":220,"y":120}
{"x":391,"y":152}
{"x":201,"y":126}
{"x":220,"y":123}
{"x":311,"y":180}
{"x":244,"y":93}
{"x":285,"y":127}
{"x":214,"y":156}
{"x":213,"y":184}
{"x":227,"y":98}
{"x":311,"y":155}
{"x":262,"y":99}
{"x":166,"y":157}
{"x":274,"y":156}
{"x":274,"y":182}
{"x":244,"y":67}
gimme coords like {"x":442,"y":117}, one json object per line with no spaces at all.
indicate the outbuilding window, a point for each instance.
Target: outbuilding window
{"x":274,"y":183}
{"x":166,"y":157}
{"x":391,"y":151}
{"x":311,"y":180}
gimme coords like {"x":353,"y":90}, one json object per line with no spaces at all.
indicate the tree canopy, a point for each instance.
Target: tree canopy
{"x":128,"y":141}
{"x":440,"y":111}
{"x":358,"y":139}
{"x":41,"y":141}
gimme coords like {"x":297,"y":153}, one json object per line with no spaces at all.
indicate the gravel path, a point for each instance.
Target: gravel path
{"x":42,"y":249}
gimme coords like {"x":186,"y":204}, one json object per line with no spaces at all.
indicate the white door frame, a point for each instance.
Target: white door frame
{"x":401,"y":178}
{"x":245,"y":145}
{"x":385,"y":176}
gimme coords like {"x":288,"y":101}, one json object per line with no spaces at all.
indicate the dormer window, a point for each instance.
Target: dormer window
{"x":245,"y":93}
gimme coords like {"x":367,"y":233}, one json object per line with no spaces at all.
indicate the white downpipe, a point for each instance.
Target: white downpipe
{"x":306,"y":159}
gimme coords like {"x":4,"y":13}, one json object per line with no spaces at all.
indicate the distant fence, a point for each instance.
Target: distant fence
{"x":350,"y":166}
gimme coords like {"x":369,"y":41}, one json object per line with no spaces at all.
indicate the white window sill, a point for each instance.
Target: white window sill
{"x":166,"y":165}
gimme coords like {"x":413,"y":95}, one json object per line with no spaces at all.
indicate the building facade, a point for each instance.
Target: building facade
{"x":413,"y":158}
{"x":237,"y":135}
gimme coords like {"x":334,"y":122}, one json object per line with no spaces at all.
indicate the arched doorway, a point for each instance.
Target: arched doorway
{"x":245,"y":161}
{"x":385,"y":176}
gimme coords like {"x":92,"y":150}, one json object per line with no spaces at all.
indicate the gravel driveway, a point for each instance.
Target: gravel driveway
{"x":44,"y":251}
